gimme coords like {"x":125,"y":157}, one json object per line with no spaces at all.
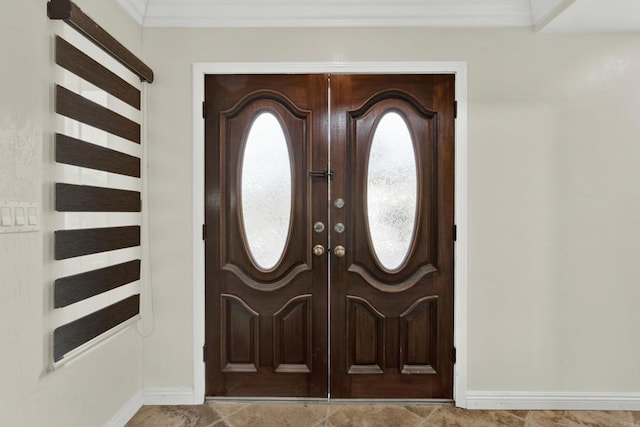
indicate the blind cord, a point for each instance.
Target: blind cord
{"x":146,"y":324}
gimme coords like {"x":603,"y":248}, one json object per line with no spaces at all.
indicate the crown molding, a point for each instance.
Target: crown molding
{"x":332,"y":14}
{"x":589,"y":16}
{"x":545,"y":11}
{"x":542,"y":8}
{"x":135,"y":8}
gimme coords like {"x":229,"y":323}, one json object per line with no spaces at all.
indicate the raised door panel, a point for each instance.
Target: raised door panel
{"x":418,"y":337}
{"x":364,"y":337}
{"x":239,"y":341}
{"x":292,"y":334}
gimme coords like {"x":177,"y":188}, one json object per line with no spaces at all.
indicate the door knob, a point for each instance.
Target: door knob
{"x":339,"y":251}
{"x":318,"y":250}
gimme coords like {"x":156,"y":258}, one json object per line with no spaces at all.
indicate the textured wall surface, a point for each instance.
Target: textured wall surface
{"x":553,"y":195}
{"x":89,"y":391}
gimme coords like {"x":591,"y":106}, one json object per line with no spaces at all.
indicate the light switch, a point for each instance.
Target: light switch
{"x":33,"y":216}
{"x":20,"y":216}
{"x":5,"y":219}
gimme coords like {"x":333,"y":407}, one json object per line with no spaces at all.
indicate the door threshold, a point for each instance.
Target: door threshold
{"x":308,"y":400}
{"x":426,"y":402}
{"x":231,"y":399}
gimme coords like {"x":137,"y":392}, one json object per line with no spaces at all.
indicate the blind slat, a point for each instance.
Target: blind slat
{"x":71,"y":289}
{"x":76,"y":107}
{"x":83,"y":330}
{"x":72,"y":15}
{"x":73,"y":243}
{"x":72,"y":151}
{"x":76,"y":61}
{"x":85,"y":198}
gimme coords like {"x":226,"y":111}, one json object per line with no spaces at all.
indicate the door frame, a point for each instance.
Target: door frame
{"x":459,"y":68}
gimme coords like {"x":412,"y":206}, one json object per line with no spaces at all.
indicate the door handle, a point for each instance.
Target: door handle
{"x":339,"y":251}
{"x":318,"y":250}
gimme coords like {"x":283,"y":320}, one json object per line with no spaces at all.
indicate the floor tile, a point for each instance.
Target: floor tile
{"x":322,"y":423}
{"x":225,"y":409}
{"x":174,"y":416}
{"x":519,"y":414}
{"x":333,"y":408}
{"x":240,"y":414}
{"x":456,"y":417}
{"x":278,"y":415}
{"x":422,"y":411}
{"x":374,"y":416}
{"x":579,"y":418}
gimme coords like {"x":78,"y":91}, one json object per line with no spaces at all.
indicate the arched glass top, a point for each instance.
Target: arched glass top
{"x":392,"y":197}
{"x":266,"y":200}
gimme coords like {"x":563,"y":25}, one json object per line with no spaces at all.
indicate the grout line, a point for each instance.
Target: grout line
{"x":325,"y":419}
{"x":334,"y":409}
{"x":632,"y":421}
{"x":226,"y":418}
{"x":426,"y":419}
{"x":327,"y":414}
{"x":322,"y":422}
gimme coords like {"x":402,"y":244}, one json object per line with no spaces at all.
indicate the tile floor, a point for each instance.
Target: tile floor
{"x":234,"y":414}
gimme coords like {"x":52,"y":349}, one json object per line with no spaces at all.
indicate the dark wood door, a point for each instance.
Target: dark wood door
{"x":388,"y":231}
{"x":392,"y":291}
{"x":266,"y":293}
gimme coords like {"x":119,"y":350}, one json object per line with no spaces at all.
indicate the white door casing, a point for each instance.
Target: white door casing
{"x":461,"y":203}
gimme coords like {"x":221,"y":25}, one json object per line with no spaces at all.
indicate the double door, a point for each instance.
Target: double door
{"x":329,"y":244}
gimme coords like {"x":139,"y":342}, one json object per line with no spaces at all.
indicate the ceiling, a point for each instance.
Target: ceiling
{"x":541,"y":15}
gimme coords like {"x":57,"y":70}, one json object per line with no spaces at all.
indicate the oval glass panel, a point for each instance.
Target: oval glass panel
{"x":266,"y":191}
{"x":391,"y":191}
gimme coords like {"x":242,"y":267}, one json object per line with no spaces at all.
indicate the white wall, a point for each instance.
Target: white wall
{"x":553,"y":195}
{"x":90,"y":390}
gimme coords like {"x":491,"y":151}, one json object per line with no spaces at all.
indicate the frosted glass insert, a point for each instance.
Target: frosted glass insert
{"x":266,"y":191}
{"x":391,"y":191}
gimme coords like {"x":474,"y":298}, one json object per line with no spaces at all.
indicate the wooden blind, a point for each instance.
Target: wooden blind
{"x":97,"y":182}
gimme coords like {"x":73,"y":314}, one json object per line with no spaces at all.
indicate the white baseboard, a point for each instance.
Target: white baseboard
{"x":151,"y":396}
{"x":128,"y":410}
{"x":168,"y":396}
{"x":497,"y":400}
{"x":553,"y":400}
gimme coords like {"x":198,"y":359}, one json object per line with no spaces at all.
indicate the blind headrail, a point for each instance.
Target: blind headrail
{"x":67,"y":11}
